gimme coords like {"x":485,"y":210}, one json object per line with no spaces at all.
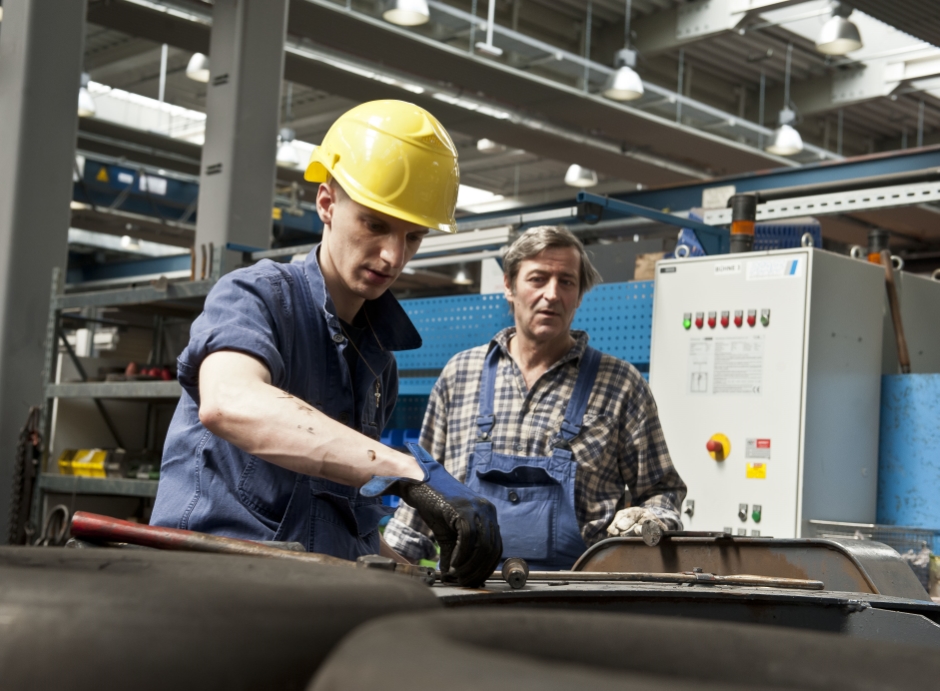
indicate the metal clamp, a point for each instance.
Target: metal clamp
{"x":807,"y":240}
{"x":857,"y":252}
{"x":897,"y":262}
{"x":683,"y":251}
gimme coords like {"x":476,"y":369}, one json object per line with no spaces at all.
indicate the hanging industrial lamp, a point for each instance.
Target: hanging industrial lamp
{"x":198,"y":68}
{"x":839,"y":36}
{"x":624,"y":84}
{"x":86,"y":104}
{"x":578,"y":176}
{"x":406,"y":12}
{"x":786,"y":140}
{"x":462,"y":278}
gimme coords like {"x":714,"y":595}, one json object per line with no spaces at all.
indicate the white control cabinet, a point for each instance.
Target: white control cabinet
{"x":766,"y":369}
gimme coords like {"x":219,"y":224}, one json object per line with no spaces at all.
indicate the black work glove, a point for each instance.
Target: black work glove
{"x":463,"y":522}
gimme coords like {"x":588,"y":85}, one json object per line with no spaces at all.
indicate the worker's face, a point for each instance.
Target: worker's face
{"x":546,"y":294}
{"x":365,"y":249}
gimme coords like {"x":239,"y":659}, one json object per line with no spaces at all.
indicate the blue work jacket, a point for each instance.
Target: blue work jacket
{"x":282,"y":315}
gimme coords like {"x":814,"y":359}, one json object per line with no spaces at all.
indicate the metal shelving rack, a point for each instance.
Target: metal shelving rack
{"x":188,"y":295}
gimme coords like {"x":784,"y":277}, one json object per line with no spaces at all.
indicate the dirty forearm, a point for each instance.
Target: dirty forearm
{"x":239,"y":404}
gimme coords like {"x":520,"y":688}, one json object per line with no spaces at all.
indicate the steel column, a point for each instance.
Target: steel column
{"x":41,"y":53}
{"x":236,"y":185}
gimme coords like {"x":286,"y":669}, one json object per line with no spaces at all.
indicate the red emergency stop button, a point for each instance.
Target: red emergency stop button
{"x":738,"y":318}
{"x":725,"y":319}
{"x":712,"y":319}
{"x":751,"y":317}
{"x":718,"y":447}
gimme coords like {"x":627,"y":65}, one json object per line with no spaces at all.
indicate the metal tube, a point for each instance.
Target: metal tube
{"x":89,"y":526}
{"x":677,"y":578}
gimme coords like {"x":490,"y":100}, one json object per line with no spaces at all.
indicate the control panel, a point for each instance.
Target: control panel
{"x":735,"y":342}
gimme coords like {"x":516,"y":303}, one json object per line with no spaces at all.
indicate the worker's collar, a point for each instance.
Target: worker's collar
{"x":577,"y":350}
{"x":388,"y":319}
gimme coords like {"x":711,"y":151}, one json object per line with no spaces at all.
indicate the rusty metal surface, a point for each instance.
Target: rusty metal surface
{"x":850,"y":565}
{"x":89,"y":526}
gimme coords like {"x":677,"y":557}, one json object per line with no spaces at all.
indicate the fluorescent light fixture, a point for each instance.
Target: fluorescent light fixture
{"x":839,"y":36}
{"x":86,"y":104}
{"x":786,"y":140}
{"x":488,"y":146}
{"x":623,"y":84}
{"x":578,"y":176}
{"x":198,"y":68}
{"x":406,"y":12}
{"x":129,"y":243}
{"x":286,"y":153}
{"x":471,"y":196}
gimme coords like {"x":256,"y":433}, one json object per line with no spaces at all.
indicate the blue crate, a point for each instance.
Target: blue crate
{"x":785,"y":235}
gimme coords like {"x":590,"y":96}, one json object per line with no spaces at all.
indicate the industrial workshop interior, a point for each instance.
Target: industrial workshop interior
{"x":470,"y":344}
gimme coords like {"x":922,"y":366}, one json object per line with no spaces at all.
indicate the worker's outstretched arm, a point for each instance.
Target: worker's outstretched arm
{"x":239,"y":404}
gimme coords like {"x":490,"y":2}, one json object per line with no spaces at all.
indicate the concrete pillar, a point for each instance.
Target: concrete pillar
{"x":236,"y":184}
{"x":41,"y":54}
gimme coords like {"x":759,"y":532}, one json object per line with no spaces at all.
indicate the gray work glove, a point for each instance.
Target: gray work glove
{"x":629,"y":522}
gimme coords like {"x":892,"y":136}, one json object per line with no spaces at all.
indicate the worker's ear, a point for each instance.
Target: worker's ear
{"x":326,"y":203}
{"x":507,"y":291}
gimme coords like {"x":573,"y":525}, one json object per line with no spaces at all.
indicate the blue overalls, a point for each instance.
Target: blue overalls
{"x":282,"y":315}
{"x":533,"y":495}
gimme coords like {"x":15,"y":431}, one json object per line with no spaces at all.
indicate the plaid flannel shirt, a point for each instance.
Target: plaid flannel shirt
{"x":621,"y":452}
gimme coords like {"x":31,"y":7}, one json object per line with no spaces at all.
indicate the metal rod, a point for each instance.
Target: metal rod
{"x":490,"y":19}
{"x":904,"y":359}
{"x":587,"y":47}
{"x":760,"y":109}
{"x":473,"y":25}
{"x":626,"y":22}
{"x":162,"y":89}
{"x":786,"y":78}
{"x":839,"y":135}
{"x":679,"y":86}
{"x":920,"y":124}
{"x":93,"y":527}
{"x":677,"y":578}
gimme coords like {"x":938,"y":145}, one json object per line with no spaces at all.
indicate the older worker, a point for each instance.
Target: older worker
{"x":563,"y":439}
{"x":288,"y":378}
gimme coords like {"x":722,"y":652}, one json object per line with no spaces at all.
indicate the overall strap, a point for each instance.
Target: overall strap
{"x":574,"y":413}
{"x":486,"y":418}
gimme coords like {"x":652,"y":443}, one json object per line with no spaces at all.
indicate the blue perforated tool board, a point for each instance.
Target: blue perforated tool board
{"x":617,"y":316}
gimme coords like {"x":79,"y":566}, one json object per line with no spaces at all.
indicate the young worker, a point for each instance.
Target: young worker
{"x":288,"y":378}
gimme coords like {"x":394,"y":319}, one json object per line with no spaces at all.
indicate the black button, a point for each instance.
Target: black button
{"x":344,"y":418}
{"x":338,"y":338}
{"x":513,"y":497}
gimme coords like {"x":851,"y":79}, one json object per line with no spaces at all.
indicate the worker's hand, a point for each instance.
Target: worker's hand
{"x":463,"y":522}
{"x":630,"y":521}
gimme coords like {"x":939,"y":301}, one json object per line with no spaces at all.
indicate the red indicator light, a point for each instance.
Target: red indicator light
{"x":738,"y":318}
{"x":712,"y":320}
{"x":751,"y":318}
{"x":725,"y":319}
{"x":699,"y":322}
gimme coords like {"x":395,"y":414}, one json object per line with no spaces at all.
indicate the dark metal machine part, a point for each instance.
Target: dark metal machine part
{"x":859,"y":566}
{"x":870,"y":593}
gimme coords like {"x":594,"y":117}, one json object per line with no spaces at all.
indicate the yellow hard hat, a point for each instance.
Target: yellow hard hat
{"x":393,"y":157}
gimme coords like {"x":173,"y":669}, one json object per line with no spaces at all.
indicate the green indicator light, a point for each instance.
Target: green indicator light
{"x":687,"y":323}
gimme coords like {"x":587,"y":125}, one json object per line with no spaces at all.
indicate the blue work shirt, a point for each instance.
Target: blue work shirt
{"x":282,"y":315}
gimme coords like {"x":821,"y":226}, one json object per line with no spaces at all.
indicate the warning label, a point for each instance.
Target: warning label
{"x":756,"y":471}
{"x":757,"y":448}
{"x":726,"y":365}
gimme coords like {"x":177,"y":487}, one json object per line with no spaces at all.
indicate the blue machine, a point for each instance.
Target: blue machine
{"x":909,"y":451}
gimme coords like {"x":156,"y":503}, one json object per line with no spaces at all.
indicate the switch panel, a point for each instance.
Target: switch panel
{"x":759,"y":374}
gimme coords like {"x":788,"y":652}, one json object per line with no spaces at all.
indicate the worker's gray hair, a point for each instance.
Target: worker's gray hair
{"x":536,"y":240}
